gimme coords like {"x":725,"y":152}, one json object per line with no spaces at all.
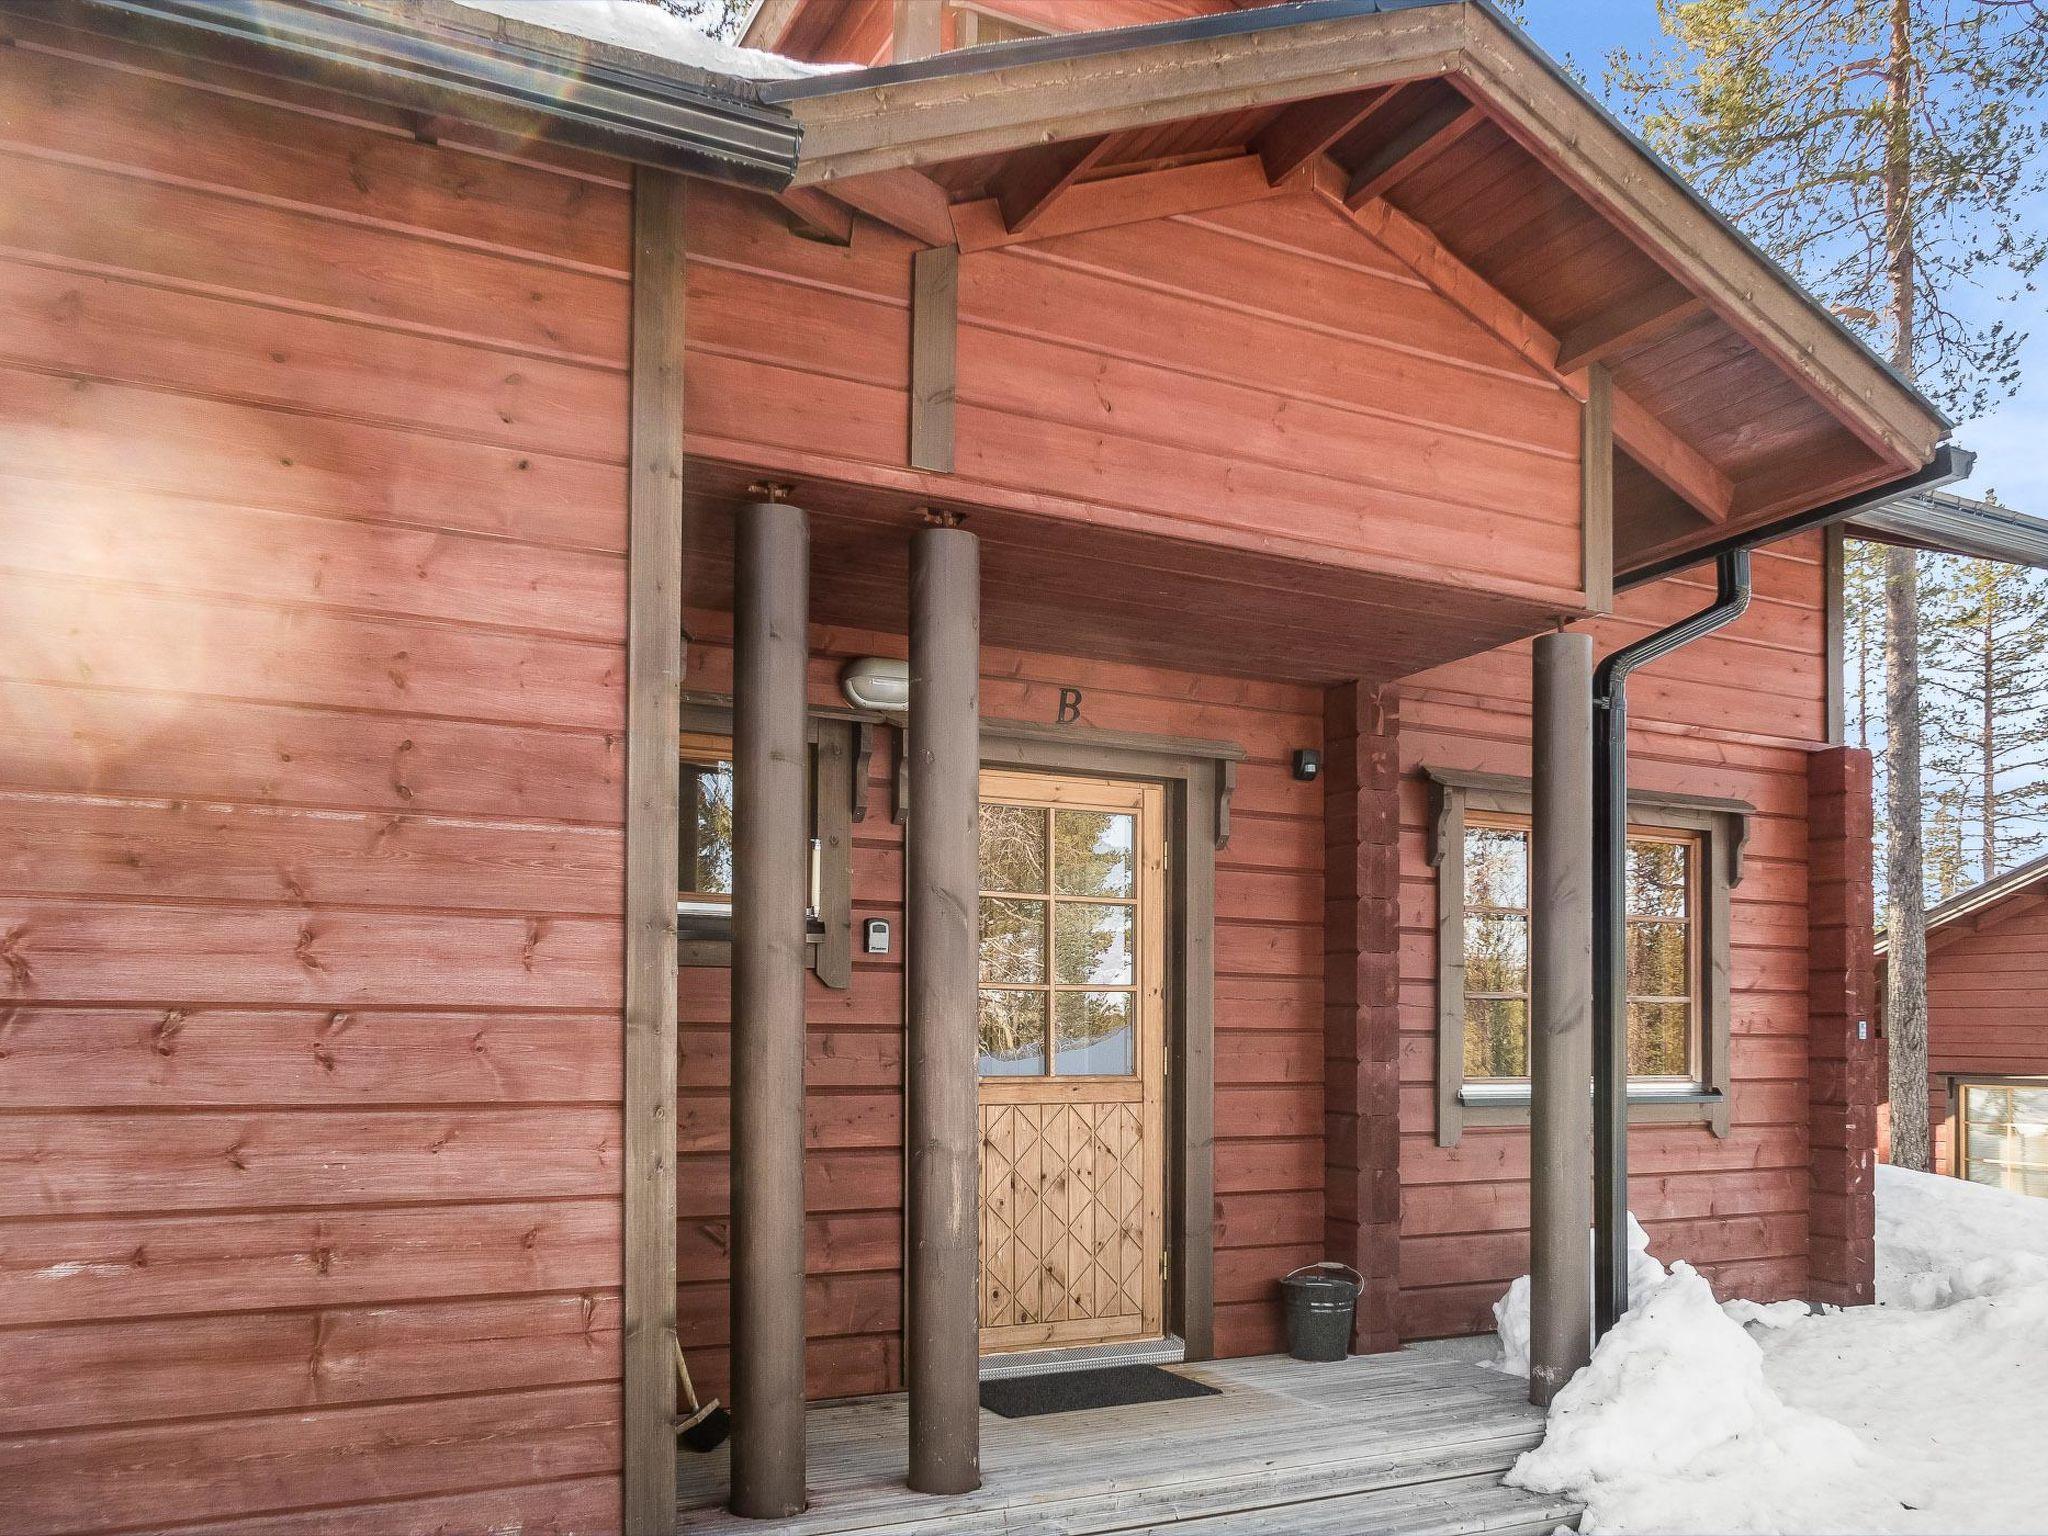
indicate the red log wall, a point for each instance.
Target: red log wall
{"x":1269,"y":1039}
{"x":1738,"y":714}
{"x":1844,"y":1057}
{"x":312,"y":595}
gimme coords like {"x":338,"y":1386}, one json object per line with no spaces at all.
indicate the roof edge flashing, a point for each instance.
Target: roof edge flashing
{"x":430,"y":56}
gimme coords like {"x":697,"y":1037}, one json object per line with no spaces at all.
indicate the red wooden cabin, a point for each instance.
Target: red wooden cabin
{"x":1987,"y":1031}
{"x":416,"y":423}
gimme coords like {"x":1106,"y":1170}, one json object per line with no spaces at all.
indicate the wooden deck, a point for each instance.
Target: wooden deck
{"x":1414,"y":1442}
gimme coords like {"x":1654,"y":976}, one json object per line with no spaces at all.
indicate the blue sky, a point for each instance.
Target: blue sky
{"x":2011,"y":443}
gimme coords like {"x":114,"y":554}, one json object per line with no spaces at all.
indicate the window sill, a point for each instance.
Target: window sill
{"x":1687,"y":1105}
{"x":1517,"y":1097}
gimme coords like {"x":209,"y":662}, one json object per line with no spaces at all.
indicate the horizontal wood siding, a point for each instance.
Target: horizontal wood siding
{"x":1269,"y":1108}
{"x":312,"y":524}
{"x":1735,"y":1207}
{"x":1263,"y":377}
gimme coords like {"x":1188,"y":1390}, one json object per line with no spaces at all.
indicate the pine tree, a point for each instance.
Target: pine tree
{"x":1986,"y":679}
{"x":1887,"y":151}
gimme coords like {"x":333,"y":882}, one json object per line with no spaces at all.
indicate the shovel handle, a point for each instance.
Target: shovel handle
{"x":683,"y":1374}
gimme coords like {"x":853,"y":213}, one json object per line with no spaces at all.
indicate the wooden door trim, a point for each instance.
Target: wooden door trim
{"x":1191,"y":779}
{"x":1073,"y":1102}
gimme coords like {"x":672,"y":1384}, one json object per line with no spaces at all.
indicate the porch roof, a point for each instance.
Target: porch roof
{"x":1443,"y":132}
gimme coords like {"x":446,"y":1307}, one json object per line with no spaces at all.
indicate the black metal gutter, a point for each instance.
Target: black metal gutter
{"x":433,"y":59}
{"x":1610,"y":926}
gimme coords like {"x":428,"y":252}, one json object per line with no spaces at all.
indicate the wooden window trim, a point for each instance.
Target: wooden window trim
{"x":835,"y":764}
{"x":1722,"y":827}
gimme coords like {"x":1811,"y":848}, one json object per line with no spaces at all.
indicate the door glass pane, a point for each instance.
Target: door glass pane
{"x":1012,"y":939}
{"x":1012,"y":1033}
{"x":1093,"y":1035}
{"x":1092,"y":853}
{"x":1659,"y":1039}
{"x":1013,"y":848}
{"x":1496,"y":953}
{"x":1496,"y":1037}
{"x":1092,"y":945}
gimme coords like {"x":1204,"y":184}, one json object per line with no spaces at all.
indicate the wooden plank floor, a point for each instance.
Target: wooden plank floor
{"x":1412,"y":1442}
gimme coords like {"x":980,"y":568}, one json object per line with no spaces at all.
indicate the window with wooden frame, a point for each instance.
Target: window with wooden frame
{"x":2001,"y":1131}
{"x":705,"y":853}
{"x":1684,"y":855}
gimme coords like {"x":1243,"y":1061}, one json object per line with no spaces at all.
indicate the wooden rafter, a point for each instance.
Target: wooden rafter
{"x":1675,"y":462}
{"x":979,"y":226}
{"x":995,"y":111}
{"x":1628,"y":324}
{"x":1307,"y":130}
{"x":1026,"y":186}
{"x":1412,"y":148}
{"x":903,"y":199}
{"x":817,"y":216}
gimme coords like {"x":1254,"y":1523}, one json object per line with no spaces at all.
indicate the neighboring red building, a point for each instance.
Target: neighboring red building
{"x":1987,"y":1031}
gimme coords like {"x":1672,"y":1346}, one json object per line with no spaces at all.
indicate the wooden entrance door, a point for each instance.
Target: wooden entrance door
{"x":1073,"y":1060}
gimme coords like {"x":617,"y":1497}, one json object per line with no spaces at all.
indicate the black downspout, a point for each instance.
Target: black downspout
{"x":1610,"y":928}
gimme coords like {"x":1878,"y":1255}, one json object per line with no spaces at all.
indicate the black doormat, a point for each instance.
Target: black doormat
{"x":1113,"y":1386}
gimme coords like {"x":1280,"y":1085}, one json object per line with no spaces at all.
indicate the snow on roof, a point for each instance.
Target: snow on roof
{"x":645,"y":26}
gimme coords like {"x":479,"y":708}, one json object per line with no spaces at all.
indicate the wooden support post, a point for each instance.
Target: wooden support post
{"x":654,"y":680}
{"x":770,"y":860}
{"x":915,"y":31}
{"x":934,"y":339}
{"x":1596,"y":489}
{"x":943,"y":852}
{"x":1561,"y":1014}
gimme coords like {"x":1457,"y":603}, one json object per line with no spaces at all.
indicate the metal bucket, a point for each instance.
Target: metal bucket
{"x":1320,"y":1306}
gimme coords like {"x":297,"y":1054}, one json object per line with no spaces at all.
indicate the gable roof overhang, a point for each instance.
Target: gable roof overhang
{"x":2022,"y":889}
{"x":1741,"y":405}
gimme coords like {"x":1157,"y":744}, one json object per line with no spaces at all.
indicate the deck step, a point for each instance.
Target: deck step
{"x":1475,"y":1504}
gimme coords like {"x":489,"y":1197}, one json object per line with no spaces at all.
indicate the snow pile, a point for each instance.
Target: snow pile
{"x":1940,"y":1239}
{"x":1924,"y":1414}
{"x":1511,"y":1312}
{"x":1674,"y":1428}
{"x":650,"y":29}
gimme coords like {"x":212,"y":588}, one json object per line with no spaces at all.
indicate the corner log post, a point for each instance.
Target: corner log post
{"x":1561,"y":1014}
{"x":654,"y":680}
{"x":770,"y":645}
{"x":942,"y":1364}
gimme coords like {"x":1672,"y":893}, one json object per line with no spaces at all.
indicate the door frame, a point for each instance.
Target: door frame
{"x":1197,"y":777}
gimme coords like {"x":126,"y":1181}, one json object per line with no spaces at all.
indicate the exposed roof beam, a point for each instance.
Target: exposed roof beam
{"x":1675,"y":462}
{"x":1412,"y":148}
{"x":1306,"y":130}
{"x":903,"y":199}
{"x":1628,"y":324}
{"x":979,"y":226}
{"x":914,"y":31}
{"x":818,"y":217}
{"x":1026,"y":186}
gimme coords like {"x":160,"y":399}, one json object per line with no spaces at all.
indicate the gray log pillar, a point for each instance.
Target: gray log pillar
{"x":770,"y":862}
{"x":943,"y":854}
{"x":1561,"y":1015}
